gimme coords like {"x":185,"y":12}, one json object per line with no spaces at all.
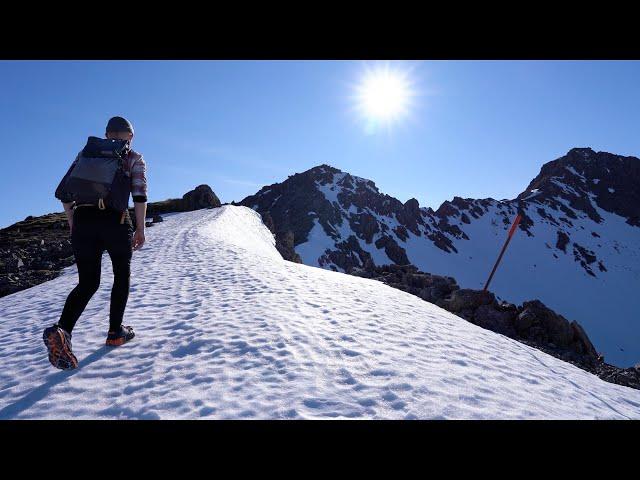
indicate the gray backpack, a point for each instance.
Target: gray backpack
{"x":98,"y":176}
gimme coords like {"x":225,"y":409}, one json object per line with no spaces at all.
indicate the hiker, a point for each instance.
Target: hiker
{"x":95,"y":195}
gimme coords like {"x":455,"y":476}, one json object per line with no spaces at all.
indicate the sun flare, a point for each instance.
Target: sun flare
{"x":384,"y":94}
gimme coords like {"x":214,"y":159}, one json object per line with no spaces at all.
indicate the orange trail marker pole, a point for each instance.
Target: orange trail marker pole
{"x":504,"y":248}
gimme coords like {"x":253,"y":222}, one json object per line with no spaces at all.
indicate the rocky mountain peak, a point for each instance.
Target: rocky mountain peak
{"x":583,"y":178}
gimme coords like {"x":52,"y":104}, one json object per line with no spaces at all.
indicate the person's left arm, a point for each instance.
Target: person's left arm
{"x":139,"y":194}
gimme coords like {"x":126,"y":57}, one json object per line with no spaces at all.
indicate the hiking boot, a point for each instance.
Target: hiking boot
{"x":115,"y":339}
{"x":58,"y":342}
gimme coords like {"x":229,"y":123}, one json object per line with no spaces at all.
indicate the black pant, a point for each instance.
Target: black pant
{"x":95,"y":231}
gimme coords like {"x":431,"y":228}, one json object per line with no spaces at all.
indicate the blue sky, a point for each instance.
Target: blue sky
{"x":474,"y":128}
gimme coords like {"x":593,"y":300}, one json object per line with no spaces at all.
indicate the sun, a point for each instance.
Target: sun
{"x":384,"y":94}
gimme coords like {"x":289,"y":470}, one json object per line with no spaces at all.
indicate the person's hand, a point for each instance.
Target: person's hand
{"x":70,"y":226}
{"x":138,"y":238}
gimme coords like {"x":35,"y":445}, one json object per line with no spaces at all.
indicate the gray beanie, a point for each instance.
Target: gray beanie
{"x":119,"y":124}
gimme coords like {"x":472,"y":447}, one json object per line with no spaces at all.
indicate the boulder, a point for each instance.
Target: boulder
{"x":200,"y":197}
{"x":412,"y":207}
{"x":465,"y":298}
{"x":524,"y":321}
{"x":537,"y":322}
{"x":494,"y":319}
{"x":582,"y":339}
{"x":420,"y":280}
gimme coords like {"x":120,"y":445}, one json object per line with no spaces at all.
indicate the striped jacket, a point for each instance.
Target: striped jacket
{"x":136,"y":170}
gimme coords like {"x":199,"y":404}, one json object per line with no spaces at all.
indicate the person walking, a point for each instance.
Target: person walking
{"x":95,"y":195}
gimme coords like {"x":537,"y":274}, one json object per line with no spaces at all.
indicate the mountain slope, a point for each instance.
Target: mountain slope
{"x":577,"y":248}
{"x":227,"y":329}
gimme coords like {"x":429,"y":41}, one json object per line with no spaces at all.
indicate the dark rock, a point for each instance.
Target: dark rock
{"x":348,"y":256}
{"x":584,"y":257}
{"x":442,"y":242}
{"x":537,"y":322}
{"x":582,"y":340}
{"x":562,"y":241}
{"x":285,"y":245}
{"x":394,"y":251}
{"x":524,"y":321}
{"x":200,"y":197}
{"x":622,"y":174}
{"x":465,"y":298}
{"x":412,"y":207}
{"x":496,"y":320}
{"x":366,"y":225}
{"x":285,"y":240}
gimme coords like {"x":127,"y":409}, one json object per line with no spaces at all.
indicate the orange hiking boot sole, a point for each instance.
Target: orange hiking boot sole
{"x":125,"y":335}
{"x":59,"y":354}
{"x":116,"y":343}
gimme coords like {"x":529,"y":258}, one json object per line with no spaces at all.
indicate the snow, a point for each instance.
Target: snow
{"x":317,"y":242}
{"x":227,"y":329}
{"x":576,"y":173}
{"x":331,"y":189}
{"x":605,"y":305}
{"x":565,"y":187}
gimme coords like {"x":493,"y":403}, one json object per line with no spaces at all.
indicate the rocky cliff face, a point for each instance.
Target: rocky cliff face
{"x":569,"y":188}
{"x":574,"y":183}
{"x":337,"y":202}
{"x":577,"y":247}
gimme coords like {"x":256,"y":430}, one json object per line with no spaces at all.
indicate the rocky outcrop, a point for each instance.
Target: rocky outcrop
{"x":284,"y":240}
{"x":538,"y":323}
{"x":531,"y":323}
{"x":583,"y":174}
{"x":348,"y":255}
{"x":394,"y":251}
{"x":33,"y":251}
{"x":200,"y":197}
